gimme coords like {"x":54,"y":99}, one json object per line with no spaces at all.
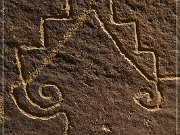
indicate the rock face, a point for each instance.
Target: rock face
{"x":96,"y":67}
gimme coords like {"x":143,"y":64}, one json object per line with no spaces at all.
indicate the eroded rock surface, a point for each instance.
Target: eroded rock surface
{"x":97,"y":67}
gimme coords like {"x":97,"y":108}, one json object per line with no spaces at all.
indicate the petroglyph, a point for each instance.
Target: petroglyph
{"x":137,"y":98}
{"x":20,"y":92}
{"x":50,"y":55}
{"x":54,"y":109}
{"x":155,"y":80}
{"x":139,"y":50}
{"x":22,"y":87}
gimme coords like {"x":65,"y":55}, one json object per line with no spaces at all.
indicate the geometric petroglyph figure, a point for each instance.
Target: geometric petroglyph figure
{"x":148,"y":99}
{"x":41,"y":100}
{"x":144,"y":60}
{"x":45,"y":102}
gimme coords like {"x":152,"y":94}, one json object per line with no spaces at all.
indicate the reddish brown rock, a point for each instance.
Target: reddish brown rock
{"x":97,"y":67}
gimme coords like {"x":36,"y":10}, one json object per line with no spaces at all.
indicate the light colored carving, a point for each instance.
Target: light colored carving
{"x":140,"y":95}
{"x":22,"y":85}
{"x":155,"y":81}
{"x":41,"y":31}
{"x":169,"y":78}
{"x":68,"y":7}
{"x":137,"y":96}
{"x":103,"y":28}
{"x":54,"y":50}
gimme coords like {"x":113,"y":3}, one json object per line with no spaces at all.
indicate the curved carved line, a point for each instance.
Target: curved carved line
{"x":145,"y":97}
{"x":30,"y":109}
{"x":104,"y":26}
{"x":52,"y":52}
{"x":25,"y":104}
{"x":41,"y":97}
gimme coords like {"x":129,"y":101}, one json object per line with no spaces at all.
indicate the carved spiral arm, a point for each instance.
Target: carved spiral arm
{"x":43,"y":103}
{"x":148,"y":99}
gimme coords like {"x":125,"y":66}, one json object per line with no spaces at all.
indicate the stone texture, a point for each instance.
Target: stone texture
{"x":97,"y":67}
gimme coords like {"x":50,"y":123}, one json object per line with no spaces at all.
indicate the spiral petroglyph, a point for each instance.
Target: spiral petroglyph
{"x":90,"y":72}
{"x":141,"y":98}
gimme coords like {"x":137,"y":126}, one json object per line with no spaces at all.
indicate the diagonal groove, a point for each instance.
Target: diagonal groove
{"x":118,"y":45}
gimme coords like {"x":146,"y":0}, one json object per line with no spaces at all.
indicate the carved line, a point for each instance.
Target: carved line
{"x":51,"y":55}
{"x":169,"y":78}
{"x":68,"y":7}
{"x":35,"y":103}
{"x":42,"y":32}
{"x":55,"y":50}
{"x":140,"y":95}
{"x":66,"y":124}
{"x":33,"y":116}
{"x":24,"y":83}
{"x":69,"y":10}
{"x":104,"y":28}
{"x":150,"y":108}
{"x":47,"y":97}
{"x":114,"y":19}
{"x":155,"y":72}
{"x":29,"y":115}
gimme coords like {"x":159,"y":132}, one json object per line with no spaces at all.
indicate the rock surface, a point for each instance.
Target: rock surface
{"x":96,"y":67}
